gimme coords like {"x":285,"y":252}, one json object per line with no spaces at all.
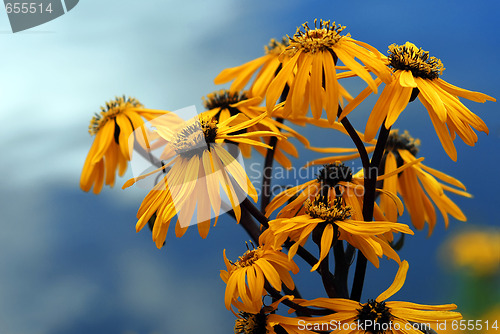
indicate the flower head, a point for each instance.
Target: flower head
{"x":408,"y":57}
{"x":246,"y":277}
{"x":421,"y":188}
{"x":200,"y":165}
{"x":329,"y":219}
{"x":476,"y":251}
{"x":334,"y":180}
{"x":309,"y":69}
{"x":378,"y":316}
{"x":110,"y":150}
{"x":223,"y":104}
{"x":266,"y":321}
{"x":416,"y":73}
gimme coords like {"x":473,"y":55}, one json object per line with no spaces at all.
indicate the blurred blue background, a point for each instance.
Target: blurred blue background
{"x":71,"y":262}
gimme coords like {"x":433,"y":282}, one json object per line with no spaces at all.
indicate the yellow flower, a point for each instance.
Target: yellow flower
{"x":246,"y":277}
{"x":269,"y":65}
{"x":477,"y":251}
{"x":419,"y":186}
{"x":200,"y":165}
{"x":110,"y":150}
{"x":223,"y":104}
{"x":335,"y":179}
{"x":380,"y":316}
{"x":330,"y":220}
{"x":417,"y":74}
{"x":309,"y":70}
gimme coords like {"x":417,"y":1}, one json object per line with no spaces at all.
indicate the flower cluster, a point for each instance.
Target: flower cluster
{"x":339,"y":214}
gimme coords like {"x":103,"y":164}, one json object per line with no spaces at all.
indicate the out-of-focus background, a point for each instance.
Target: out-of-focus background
{"x":71,"y":262}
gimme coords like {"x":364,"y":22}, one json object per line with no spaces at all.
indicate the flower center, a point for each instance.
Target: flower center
{"x":332,"y":174}
{"x":397,"y":142}
{"x":321,"y":38}
{"x":408,"y":57}
{"x":110,"y":111}
{"x":276,"y":47}
{"x":223,"y":99}
{"x":331,"y":212}
{"x":196,"y":137}
{"x":251,"y":323}
{"x":375,"y":317}
{"x":247,"y":259}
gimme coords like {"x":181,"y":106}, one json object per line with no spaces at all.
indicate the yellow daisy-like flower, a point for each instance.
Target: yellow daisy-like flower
{"x":268,"y":64}
{"x":110,"y":150}
{"x":477,"y":251}
{"x":330,"y":220}
{"x":336,"y":179}
{"x":245,"y":278}
{"x":223,"y":104}
{"x":380,"y":316}
{"x":309,"y":70}
{"x":417,"y":74}
{"x":200,"y":165}
{"x":419,"y":185}
{"x":267,"y":322}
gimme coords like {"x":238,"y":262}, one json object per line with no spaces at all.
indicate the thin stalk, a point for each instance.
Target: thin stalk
{"x":370,"y":183}
{"x":268,"y":172}
{"x":341,"y":269}
{"x":365,"y":160}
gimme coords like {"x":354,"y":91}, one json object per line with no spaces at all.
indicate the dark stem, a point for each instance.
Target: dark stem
{"x":341,"y":269}
{"x":249,"y":225}
{"x":252,"y":209}
{"x":328,"y":281}
{"x":268,"y":172}
{"x":370,"y":183}
{"x":268,"y":162}
{"x":365,"y":160}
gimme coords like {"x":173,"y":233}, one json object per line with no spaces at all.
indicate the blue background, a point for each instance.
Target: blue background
{"x":71,"y":262}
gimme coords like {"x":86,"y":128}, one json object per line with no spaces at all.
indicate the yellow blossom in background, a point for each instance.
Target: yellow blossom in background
{"x":200,"y":165}
{"x":245,"y":279}
{"x":417,"y":74}
{"x":110,"y":151}
{"x":379,"y":312}
{"x":477,"y":251}
{"x":309,"y":69}
{"x":493,"y":319}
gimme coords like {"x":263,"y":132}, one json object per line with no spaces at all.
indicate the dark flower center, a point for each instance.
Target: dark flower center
{"x":374,"y":316}
{"x":408,"y":57}
{"x":329,"y":211}
{"x":251,"y":323}
{"x":332,"y":174}
{"x":223,"y":99}
{"x":321,"y":38}
{"x":397,"y":142}
{"x":110,"y":111}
